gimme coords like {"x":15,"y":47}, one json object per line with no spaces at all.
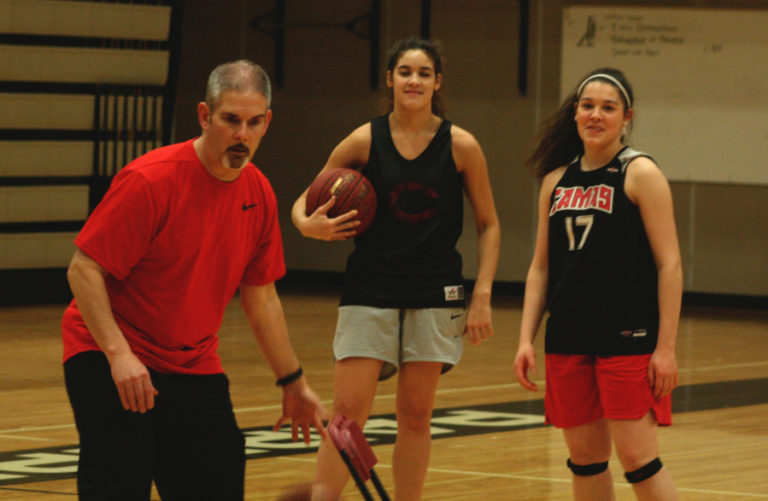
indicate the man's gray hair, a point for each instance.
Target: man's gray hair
{"x":241,"y":75}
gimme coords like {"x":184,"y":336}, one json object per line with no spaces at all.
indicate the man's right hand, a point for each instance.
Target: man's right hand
{"x":134,"y":384}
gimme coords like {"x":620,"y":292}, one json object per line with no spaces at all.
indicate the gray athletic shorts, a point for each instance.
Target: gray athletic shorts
{"x":397,"y":335}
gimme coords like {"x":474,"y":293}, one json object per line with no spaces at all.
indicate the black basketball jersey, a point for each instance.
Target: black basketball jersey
{"x":408,"y":257}
{"x":602,"y":291}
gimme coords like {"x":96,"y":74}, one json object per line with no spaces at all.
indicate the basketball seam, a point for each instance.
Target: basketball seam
{"x":348,"y":192}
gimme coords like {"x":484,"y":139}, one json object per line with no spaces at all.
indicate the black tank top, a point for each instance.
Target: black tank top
{"x":408,"y":257}
{"x":602,"y":292}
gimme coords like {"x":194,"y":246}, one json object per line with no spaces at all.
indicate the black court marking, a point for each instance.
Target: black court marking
{"x":53,"y":463}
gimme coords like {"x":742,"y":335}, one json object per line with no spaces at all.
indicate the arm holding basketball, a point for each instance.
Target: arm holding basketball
{"x":318,"y":225}
{"x":471,"y":164}
{"x":352,"y":152}
{"x":301,"y":405}
{"x":648,"y":188}
{"x":535,"y":299}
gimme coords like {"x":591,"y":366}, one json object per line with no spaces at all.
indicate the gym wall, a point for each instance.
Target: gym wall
{"x":325,"y":92}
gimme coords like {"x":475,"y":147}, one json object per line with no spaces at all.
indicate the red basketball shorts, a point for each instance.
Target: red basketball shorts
{"x":584,"y":388}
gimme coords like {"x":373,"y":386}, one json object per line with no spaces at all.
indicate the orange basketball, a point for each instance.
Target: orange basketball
{"x":352,"y":191}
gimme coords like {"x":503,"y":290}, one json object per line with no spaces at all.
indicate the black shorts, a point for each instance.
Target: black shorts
{"x":189,"y":443}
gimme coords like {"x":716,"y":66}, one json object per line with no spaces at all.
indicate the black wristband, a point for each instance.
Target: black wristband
{"x":290,"y":378}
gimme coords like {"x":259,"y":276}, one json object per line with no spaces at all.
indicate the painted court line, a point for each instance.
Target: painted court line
{"x":550,"y":479}
{"x":25,"y":429}
{"x":21,"y":437}
{"x":392,"y":396}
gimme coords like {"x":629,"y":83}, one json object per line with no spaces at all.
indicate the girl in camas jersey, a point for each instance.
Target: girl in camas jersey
{"x":402,"y":307}
{"x":606,"y":267}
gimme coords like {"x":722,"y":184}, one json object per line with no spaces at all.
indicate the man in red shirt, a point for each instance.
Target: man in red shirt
{"x":179,"y":231}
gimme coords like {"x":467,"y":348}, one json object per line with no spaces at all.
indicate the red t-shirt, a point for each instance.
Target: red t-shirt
{"x":176,"y":243}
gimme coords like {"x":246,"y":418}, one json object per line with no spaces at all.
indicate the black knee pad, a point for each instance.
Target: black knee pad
{"x":644,"y":472}
{"x":587,"y":470}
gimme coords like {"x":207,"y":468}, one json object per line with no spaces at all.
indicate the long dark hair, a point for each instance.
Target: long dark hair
{"x":558,"y":138}
{"x":430,"y":48}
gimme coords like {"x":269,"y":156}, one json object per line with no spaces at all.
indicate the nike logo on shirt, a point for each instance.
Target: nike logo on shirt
{"x":248,"y":206}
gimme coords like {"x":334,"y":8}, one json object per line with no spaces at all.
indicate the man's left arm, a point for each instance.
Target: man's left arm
{"x":301,"y":405}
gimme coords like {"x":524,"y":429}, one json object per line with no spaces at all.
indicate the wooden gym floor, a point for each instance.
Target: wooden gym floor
{"x":489,"y":440}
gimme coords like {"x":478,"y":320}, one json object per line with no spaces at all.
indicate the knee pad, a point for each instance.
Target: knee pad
{"x":587,"y":470}
{"x":644,"y":472}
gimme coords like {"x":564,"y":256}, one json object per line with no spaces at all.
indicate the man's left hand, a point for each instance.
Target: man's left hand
{"x":303,"y":407}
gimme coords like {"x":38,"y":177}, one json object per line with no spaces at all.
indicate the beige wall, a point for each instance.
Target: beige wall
{"x":722,"y":227}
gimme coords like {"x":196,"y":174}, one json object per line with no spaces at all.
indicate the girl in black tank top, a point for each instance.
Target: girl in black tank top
{"x":607,"y":268}
{"x":406,"y":264}
{"x":408,"y":256}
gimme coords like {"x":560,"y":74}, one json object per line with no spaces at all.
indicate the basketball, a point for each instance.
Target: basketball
{"x":352,"y":191}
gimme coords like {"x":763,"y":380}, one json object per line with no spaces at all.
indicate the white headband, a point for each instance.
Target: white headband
{"x":609,"y":78}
